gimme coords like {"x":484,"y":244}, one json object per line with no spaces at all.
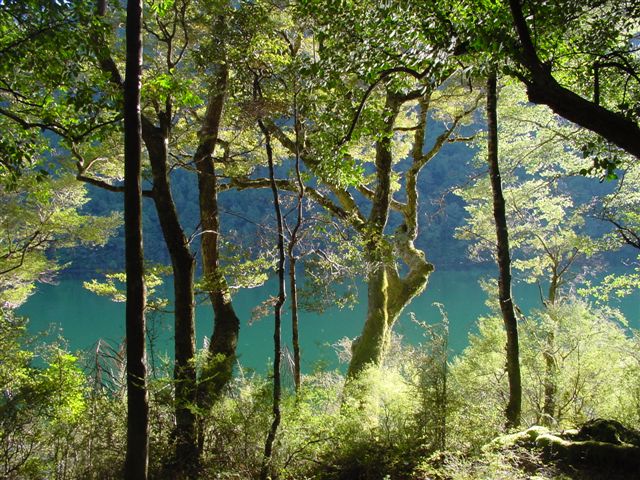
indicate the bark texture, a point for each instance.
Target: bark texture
{"x":504,"y":261}
{"x":137,"y":456}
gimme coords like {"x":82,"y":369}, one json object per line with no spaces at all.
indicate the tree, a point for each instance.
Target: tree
{"x":218,"y":369}
{"x":376,"y":139}
{"x":617,"y":55}
{"x":137,"y":457}
{"x":294,"y":238}
{"x":503,"y":259}
{"x":279,"y":301}
{"x":578,"y":58}
{"x":547,"y":230}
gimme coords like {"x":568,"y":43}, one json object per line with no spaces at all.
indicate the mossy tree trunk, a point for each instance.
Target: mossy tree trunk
{"x":388,"y":293}
{"x":549,"y":415}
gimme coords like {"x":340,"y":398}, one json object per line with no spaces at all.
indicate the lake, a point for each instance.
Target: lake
{"x":83,"y":317}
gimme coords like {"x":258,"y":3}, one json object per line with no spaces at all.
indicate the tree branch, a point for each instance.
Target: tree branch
{"x":543,"y":88}
{"x":381,"y":77}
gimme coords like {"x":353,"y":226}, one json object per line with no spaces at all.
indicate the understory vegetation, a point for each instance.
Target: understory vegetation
{"x":420,"y":415}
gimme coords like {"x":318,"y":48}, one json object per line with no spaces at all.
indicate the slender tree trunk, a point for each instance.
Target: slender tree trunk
{"x":185,"y":462}
{"x":137,"y":456}
{"x":295,"y":335}
{"x":551,"y":367}
{"x":156,"y":140}
{"x":504,"y":261}
{"x":550,"y":387}
{"x":277,"y":384}
{"x":293,"y":285}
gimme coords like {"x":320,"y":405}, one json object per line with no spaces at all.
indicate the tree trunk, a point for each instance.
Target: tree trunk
{"x":504,"y":261}
{"x":551,"y":368}
{"x":156,"y":140}
{"x":277,"y":384}
{"x":369,"y":347}
{"x":387,"y":293}
{"x":293,"y":285}
{"x":550,"y":387}
{"x":137,"y":455}
{"x":185,"y":462}
{"x":218,"y":369}
{"x":295,"y":335}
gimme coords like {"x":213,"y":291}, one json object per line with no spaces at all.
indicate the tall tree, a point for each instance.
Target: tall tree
{"x":546,"y":229}
{"x":137,"y":458}
{"x":367,"y":125}
{"x":504,"y":259}
{"x":156,"y":131}
{"x":389,"y":291}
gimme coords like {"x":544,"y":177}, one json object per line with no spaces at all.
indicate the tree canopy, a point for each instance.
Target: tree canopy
{"x":362,"y":119}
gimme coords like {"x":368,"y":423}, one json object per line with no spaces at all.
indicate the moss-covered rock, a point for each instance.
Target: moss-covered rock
{"x":608,"y":431}
{"x":603,"y":445}
{"x":526,"y":438}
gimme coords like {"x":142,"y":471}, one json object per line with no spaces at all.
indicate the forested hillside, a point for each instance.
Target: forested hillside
{"x":176,"y":153}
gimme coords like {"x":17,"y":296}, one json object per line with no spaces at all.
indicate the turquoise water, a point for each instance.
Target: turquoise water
{"x":82,"y":318}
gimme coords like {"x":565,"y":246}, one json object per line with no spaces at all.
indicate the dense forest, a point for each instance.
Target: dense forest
{"x":174,"y":153}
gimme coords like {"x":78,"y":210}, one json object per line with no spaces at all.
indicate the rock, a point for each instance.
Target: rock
{"x":599,"y":445}
{"x":526,"y":438}
{"x":608,"y":431}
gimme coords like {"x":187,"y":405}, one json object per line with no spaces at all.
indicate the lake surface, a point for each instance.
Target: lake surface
{"x":83,"y":317}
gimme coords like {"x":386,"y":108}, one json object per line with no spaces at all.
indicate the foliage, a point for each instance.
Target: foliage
{"x":594,"y":369}
{"x":41,"y":407}
{"x":327,"y":71}
{"x":65,"y":429}
{"x":548,"y":230}
{"x":589,"y":46}
{"x":114,"y":286}
{"x":37,"y":217}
